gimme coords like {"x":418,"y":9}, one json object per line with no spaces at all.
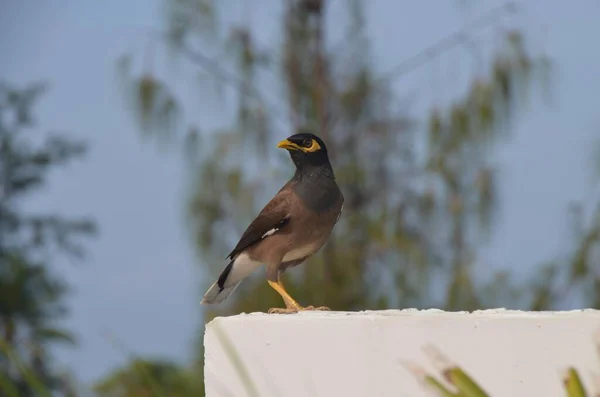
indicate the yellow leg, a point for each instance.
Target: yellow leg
{"x":291,"y":306}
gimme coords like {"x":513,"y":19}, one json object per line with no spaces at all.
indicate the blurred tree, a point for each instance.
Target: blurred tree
{"x":146,"y":378}
{"x":419,"y":201}
{"x":31,"y":296}
{"x":573,"y":279}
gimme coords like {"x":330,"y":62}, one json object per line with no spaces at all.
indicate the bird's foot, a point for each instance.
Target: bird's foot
{"x":290,"y":310}
{"x":282,"y":310}
{"x":322,"y":309}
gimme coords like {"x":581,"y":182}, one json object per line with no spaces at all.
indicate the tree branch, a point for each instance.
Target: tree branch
{"x":448,"y":42}
{"x":214,"y":68}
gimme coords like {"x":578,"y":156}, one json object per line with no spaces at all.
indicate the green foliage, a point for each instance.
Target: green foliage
{"x":409,"y":214}
{"x":573,"y":384}
{"x":576,"y":275}
{"x":458,"y":382}
{"x":461,"y":384}
{"x":32,"y":298}
{"x":420,"y":201}
{"x":582,"y":266}
{"x":145,"y":378}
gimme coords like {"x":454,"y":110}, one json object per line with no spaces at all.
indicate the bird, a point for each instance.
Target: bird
{"x":292,"y":226}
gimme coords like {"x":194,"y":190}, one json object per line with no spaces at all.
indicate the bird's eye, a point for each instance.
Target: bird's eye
{"x":307,"y":143}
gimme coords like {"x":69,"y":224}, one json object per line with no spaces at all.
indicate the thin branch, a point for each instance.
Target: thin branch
{"x":460,"y":37}
{"x":457,"y":38}
{"x":214,"y":68}
{"x":448,"y":42}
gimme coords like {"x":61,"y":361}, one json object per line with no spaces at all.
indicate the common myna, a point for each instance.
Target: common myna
{"x":291,"y":227}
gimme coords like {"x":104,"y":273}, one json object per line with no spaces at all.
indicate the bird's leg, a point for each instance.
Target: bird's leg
{"x":291,"y":306}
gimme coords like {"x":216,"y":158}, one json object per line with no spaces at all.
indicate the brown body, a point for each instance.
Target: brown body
{"x":285,"y":249}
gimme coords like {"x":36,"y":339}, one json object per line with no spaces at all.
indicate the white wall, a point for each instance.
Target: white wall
{"x":509,"y":353}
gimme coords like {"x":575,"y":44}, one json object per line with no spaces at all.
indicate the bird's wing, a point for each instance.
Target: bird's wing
{"x":274,"y":216}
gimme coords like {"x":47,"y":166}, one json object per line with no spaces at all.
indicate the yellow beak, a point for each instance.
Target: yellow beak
{"x":285,"y":144}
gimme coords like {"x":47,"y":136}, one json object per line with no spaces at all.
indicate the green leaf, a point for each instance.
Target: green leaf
{"x":55,"y":335}
{"x":573,"y":384}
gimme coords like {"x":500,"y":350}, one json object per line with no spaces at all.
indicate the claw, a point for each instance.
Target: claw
{"x":290,"y":310}
{"x":282,"y":310}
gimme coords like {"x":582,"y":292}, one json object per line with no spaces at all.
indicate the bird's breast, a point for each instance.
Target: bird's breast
{"x":300,"y":252}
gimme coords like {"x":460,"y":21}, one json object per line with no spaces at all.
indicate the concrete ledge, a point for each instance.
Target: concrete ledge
{"x":510,"y":353}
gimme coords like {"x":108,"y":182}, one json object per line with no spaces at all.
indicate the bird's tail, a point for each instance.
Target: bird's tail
{"x":216,"y":295}
{"x":231,"y":277}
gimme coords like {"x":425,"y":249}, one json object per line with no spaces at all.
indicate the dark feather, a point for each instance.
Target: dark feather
{"x":275,"y":215}
{"x":223,"y":276}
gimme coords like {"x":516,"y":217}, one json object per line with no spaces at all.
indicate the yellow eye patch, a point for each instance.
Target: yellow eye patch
{"x":309,"y":147}
{"x":313,"y":147}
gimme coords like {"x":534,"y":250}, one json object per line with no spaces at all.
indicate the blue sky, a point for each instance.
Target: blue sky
{"x":136,"y":193}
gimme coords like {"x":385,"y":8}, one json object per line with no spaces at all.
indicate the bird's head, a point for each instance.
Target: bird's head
{"x":305,"y":149}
